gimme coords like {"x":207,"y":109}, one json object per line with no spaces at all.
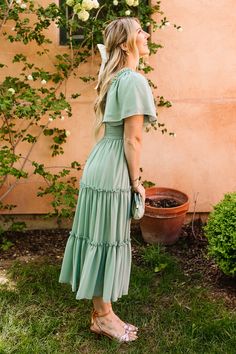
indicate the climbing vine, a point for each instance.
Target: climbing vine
{"x":33,"y":98}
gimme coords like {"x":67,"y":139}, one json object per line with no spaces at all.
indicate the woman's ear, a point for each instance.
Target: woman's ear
{"x":124,"y":46}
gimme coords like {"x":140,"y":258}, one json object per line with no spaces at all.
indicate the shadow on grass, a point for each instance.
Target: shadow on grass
{"x":173,"y":312}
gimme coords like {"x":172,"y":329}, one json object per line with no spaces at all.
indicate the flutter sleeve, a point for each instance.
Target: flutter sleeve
{"x":130,"y":95}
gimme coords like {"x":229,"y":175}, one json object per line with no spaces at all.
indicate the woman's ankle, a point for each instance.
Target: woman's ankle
{"x":100,"y":306}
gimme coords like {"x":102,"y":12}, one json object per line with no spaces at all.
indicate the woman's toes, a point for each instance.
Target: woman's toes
{"x":130,"y":327}
{"x":132,"y":335}
{"x":127,"y":326}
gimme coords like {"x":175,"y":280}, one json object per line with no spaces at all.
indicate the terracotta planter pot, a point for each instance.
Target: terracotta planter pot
{"x":163,"y":225}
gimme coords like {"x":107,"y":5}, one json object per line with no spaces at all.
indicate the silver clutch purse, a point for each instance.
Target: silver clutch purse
{"x":137,"y":206}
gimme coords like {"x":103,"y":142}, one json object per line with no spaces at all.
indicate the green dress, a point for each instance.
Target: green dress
{"x":97,"y":258}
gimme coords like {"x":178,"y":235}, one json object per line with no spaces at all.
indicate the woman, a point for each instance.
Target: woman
{"x":97,"y":257}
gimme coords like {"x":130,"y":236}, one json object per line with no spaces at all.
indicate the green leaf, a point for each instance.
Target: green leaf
{"x":160,"y":267}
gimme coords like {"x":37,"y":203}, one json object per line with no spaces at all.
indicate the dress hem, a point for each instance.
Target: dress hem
{"x":91,"y":297}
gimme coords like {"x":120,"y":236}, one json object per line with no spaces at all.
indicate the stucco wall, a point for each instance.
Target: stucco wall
{"x":196,"y":71}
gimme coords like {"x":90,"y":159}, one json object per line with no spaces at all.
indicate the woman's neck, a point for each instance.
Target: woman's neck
{"x":132,"y":62}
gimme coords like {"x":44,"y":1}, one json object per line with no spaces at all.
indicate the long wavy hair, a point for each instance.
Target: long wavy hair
{"x":117,"y":32}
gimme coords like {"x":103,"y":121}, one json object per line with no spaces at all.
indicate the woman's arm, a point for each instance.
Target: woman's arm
{"x":133,"y":128}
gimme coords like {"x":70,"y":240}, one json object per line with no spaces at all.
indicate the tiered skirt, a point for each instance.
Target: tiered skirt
{"x":97,"y":258}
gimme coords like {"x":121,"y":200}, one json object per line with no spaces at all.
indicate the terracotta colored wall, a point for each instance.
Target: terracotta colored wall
{"x":196,"y":71}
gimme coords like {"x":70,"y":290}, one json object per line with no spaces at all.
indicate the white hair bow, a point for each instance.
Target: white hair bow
{"x":103,"y":53}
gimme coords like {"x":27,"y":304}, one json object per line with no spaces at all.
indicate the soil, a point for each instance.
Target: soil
{"x":162,"y":203}
{"x":190,"y":250}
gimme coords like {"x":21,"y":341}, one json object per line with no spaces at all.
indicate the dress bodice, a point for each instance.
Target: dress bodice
{"x":113,"y":131}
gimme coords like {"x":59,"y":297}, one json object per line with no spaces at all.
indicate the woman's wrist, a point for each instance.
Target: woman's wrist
{"x":136,"y":179}
{"x":135,"y":182}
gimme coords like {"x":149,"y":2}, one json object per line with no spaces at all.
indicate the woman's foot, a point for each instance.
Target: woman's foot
{"x":126,"y":325}
{"x":110,"y":325}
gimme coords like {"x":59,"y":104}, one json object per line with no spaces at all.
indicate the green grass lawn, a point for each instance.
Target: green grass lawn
{"x":175,"y":313}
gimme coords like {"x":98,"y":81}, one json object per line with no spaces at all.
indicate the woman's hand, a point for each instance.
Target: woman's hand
{"x":140,"y":189}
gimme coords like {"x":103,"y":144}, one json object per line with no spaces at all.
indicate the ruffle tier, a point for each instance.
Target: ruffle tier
{"x":97,"y":258}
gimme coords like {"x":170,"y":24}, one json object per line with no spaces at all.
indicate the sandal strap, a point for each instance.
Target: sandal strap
{"x":129,"y":327}
{"x":124,"y":338}
{"x":98,"y":314}
{"x":95,"y":321}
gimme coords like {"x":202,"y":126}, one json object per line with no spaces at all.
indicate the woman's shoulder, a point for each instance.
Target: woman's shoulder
{"x":129,"y":94}
{"x":128,"y":75}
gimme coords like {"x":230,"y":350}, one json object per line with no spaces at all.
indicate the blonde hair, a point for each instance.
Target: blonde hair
{"x":117,"y":32}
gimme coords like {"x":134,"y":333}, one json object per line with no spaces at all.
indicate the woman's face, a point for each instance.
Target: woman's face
{"x":141,"y":40}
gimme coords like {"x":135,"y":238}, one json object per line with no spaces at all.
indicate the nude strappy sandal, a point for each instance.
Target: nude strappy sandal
{"x":96,"y":327}
{"x":129,"y":327}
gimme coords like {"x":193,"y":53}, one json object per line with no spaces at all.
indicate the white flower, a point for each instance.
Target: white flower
{"x":83,"y":15}
{"x":67,"y":133}
{"x":148,"y":24}
{"x":70,"y":2}
{"x":141,"y":66}
{"x":180,"y":29}
{"x":115,"y":2}
{"x":43,"y":82}
{"x":11,"y":90}
{"x":174,"y":135}
{"x":23,"y":6}
{"x":167,"y":23}
{"x":136,"y":3}
{"x":127,"y":12}
{"x":18,"y":2}
{"x":130,"y":2}
{"x":62,"y":117}
{"x":30,"y":77}
{"x":87,"y":5}
{"x":95,"y":4}
{"x":50,"y":119}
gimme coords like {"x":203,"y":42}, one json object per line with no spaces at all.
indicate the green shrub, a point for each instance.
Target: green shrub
{"x":221,"y":234}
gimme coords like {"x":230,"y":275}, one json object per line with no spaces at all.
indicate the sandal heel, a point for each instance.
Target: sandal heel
{"x":96,"y":328}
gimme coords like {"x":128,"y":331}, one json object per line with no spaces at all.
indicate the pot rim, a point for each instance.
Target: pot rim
{"x":178,"y":209}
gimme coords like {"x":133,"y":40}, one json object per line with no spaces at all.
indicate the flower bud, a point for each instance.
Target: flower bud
{"x":87,"y":5}
{"x":95,"y":4}
{"x":130,"y":2}
{"x":70,"y":2}
{"x":11,"y":90}
{"x":83,"y":15}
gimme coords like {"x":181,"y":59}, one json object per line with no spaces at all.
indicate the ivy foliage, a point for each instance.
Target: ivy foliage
{"x":33,"y":98}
